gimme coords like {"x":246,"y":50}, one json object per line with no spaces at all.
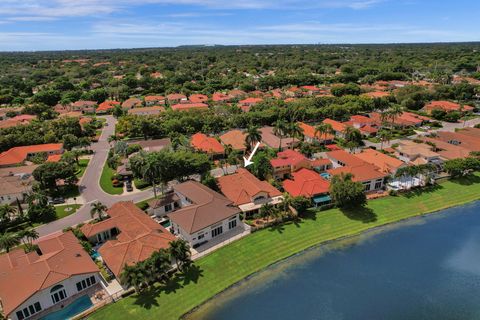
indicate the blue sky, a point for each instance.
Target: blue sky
{"x":95,"y":24}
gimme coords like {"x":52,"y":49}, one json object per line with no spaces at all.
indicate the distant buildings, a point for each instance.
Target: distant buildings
{"x":17,"y":155}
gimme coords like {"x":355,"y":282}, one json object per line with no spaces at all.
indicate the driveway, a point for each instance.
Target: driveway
{"x":89,"y":186}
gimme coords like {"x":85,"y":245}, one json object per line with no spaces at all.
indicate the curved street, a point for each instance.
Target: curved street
{"x":89,"y":186}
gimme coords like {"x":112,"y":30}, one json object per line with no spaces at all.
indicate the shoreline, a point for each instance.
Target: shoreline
{"x":232,"y":265}
{"x":324,"y":243}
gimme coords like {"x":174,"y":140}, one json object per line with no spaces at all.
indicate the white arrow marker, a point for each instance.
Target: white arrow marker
{"x":249,"y":160}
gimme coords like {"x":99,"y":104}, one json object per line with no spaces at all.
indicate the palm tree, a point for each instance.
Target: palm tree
{"x":7,"y":211}
{"x":267,"y":210}
{"x":385,"y":136}
{"x":323,"y":129}
{"x":394,"y":112}
{"x":27,"y":236}
{"x":253,"y":135}
{"x":180,"y":251}
{"x":353,"y":137}
{"x":280,"y":129}
{"x":151,"y":172}
{"x":162,"y":263}
{"x":98,"y":208}
{"x":131,"y":277}
{"x":295,"y":131}
{"x":9,"y":240}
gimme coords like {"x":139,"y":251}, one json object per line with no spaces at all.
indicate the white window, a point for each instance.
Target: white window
{"x":85,"y":283}
{"x":378,"y":184}
{"x":29,"y":311}
{"x":367,"y":186}
{"x":168,"y":207}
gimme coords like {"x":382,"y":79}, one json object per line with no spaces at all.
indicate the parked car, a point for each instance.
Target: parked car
{"x":129,"y":186}
{"x":58,"y":200}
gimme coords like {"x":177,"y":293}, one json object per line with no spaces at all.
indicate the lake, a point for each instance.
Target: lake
{"x":426,"y":268}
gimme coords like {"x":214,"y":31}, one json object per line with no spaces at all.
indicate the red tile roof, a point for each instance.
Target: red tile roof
{"x":447,"y":106}
{"x":24,"y":274}
{"x":377,"y":94}
{"x":206,"y":144}
{"x":198,"y":98}
{"x":242,"y":186}
{"x":219,"y":97}
{"x":190,"y":106}
{"x":309,"y":131}
{"x":306,"y":183}
{"x":154,"y":98}
{"x":176,"y":96}
{"x":361,"y":170}
{"x":139,"y":236}
{"x":288,"y":157}
{"x":336,"y":126}
{"x":385,"y":163}
{"x":250,"y":101}
{"x":107,"y":105}
{"x":235,"y":138}
{"x":17,"y":155}
{"x":54,"y":158}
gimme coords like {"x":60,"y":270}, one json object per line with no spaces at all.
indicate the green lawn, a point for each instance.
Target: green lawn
{"x":81,"y":167}
{"x":236,"y":261}
{"x":106,"y":181}
{"x":66,"y":210}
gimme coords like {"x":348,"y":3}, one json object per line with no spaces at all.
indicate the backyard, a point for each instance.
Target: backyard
{"x":234,"y":262}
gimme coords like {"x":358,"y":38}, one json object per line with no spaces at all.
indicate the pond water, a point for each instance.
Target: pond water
{"x":426,"y":268}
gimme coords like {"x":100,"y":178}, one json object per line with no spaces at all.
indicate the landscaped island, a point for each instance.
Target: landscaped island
{"x":230,"y":264}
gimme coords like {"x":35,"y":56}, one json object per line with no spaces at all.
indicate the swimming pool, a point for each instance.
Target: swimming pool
{"x":325,"y":175}
{"x":79,"y":305}
{"x":95,"y":255}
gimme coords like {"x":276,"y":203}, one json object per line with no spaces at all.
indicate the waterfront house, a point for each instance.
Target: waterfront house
{"x":308,"y":183}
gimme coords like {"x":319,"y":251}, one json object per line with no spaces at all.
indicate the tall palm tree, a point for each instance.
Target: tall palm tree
{"x":98,"y":209}
{"x":267,"y":210}
{"x":295,"y":131}
{"x":162,"y":262}
{"x":353,"y":137}
{"x":394,"y":112}
{"x":180,"y":252}
{"x":27,"y":236}
{"x":280,"y":130}
{"x":131,"y":277}
{"x":253,"y":135}
{"x":151,"y":172}
{"x":323,"y":129}
{"x":9,"y":240}
{"x":7,"y":211}
{"x":384,"y":136}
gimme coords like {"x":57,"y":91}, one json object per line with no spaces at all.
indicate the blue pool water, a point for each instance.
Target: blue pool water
{"x":95,"y":255}
{"x":426,"y":268}
{"x":74,"y":308}
{"x":325,"y":175}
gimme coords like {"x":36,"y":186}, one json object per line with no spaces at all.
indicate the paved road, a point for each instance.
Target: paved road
{"x":447,"y":126}
{"x":89,"y":186}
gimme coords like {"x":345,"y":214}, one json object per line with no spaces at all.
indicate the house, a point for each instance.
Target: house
{"x":405,"y":119}
{"x":310,"y":90}
{"x":287,"y":162}
{"x":146,"y":111}
{"x":129,"y":236}
{"x":247,"y":192}
{"x":237,"y":94}
{"x":308,"y":183}
{"x":175,"y":98}
{"x":209,"y":145}
{"x":376,"y":94}
{"x":337,"y":127}
{"x":17,"y":121}
{"x":16,"y":183}
{"x":447,"y":151}
{"x":383,"y":162}
{"x":203,"y":214}
{"x":36,"y":283}
{"x":198,"y":98}
{"x":367,"y":126}
{"x":107,"y":106}
{"x":84,"y":106}
{"x":369,"y":175}
{"x":417,"y":153}
{"x":189,"y":106}
{"x":310,"y":135}
{"x":152,"y":145}
{"x":446,"y":106}
{"x":132,"y":103}
{"x":247,"y":103}
{"x":219,"y":97}
{"x":234,"y":138}
{"x":154,"y":100}
{"x":17,"y":155}
{"x":273,"y":141}
{"x":467,"y":139}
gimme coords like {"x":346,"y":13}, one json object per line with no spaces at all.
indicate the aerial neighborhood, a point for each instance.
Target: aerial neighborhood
{"x":161,"y":174}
